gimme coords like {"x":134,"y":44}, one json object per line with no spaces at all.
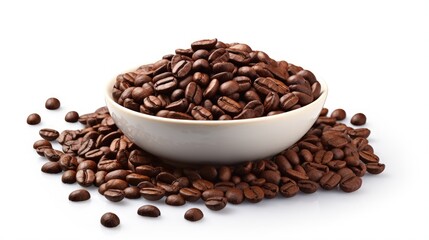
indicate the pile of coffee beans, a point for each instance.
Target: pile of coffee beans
{"x":331,"y":156}
{"x":213,"y":80}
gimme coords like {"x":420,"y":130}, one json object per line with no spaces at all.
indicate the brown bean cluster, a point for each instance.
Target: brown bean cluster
{"x":330,"y":156}
{"x":213,"y":80}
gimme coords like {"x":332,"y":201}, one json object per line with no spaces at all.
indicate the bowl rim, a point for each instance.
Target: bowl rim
{"x":109,"y":98}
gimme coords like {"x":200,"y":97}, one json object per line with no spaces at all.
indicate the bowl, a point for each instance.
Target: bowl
{"x":215,"y":141}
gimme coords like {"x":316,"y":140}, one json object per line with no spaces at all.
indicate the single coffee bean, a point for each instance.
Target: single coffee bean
{"x":52,"y":103}
{"x":270,"y":190}
{"x":114,"y":195}
{"x":33,"y":119}
{"x":79,"y":195}
{"x":42,"y":143}
{"x":253,"y":194}
{"x":152,"y":193}
{"x":202,"y":184}
{"x":71,"y":117}
{"x":193,"y":214}
{"x":116,"y":184}
{"x":215,"y":203}
{"x":211,"y":193}
{"x":49,"y":134}
{"x":110,"y":220}
{"x":289,"y":188}
{"x":206,"y":44}
{"x":85,"y":177}
{"x":149,"y":211}
{"x":69,"y":176}
{"x":52,"y":154}
{"x":234,"y":195}
{"x":229,"y":105}
{"x":351,"y":184}
{"x":307,"y":186}
{"x":330,"y":180}
{"x":51,"y":167}
{"x":358,"y":119}
{"x":375,"y":168}
{"x":339,"y":114}
{"x":132,"y":192}
{"x":190,"y":194}
{"x":175,"y":200}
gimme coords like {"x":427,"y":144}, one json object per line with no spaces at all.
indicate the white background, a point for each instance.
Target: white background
{"x":372,"y":54}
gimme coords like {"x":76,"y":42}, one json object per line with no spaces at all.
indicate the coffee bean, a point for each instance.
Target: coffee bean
{"x":85,"y":177}
{"x":33,"y":119}
{"x":253,"y":194}
{"x":69,"y":176}
{"x":152,"y":193}
{"x":175,"y":200}
{"x":330,"y":180}
{"x":193,"y":214}
{"x":114,"y":195}
{"x":79,"y":195}
{"x":110,"y":220}
{"x":215,"y":203}
{"x":190,"y":194}
{"x":51,"y":167}
{"x":270,"y":190}
{"x":375,"y":168}
{"x":307,"y":186}
{"x":52,"y":103}
{"x":132,"y":192}
{"x":149,"y":211}
{"x":339,"y":114}
{"x":358,"y":119}
{"x":52,"y":154}
{"x":49,"y":134}
{"x":71,"y":117}
{"x":289,"y":188}
{"x":209,"y":193}
{"x":351,"y":184}
{"x":206,"y":44}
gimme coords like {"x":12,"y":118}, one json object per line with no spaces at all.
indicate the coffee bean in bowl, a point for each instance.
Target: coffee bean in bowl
{"x":215,"y":103}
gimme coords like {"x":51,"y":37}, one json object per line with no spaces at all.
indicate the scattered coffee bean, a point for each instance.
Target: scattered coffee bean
{"x":110,"y":220}
{"x":79,"y":195}
{"x":69,"y":176}
{"x":33,"y":119}
{"x":71,"y":117}
{"x":194,"y":214}
{"x":49,"y":134}
{"x":51,"y":167}
{"x":52,"y":103}
{"x":358,"y":119}
{"x":149,"y":211}
{"x":339,"y":114}
{"x":175,"y":200}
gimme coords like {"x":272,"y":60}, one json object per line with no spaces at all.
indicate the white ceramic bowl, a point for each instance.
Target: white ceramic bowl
{"x":215,"y":142}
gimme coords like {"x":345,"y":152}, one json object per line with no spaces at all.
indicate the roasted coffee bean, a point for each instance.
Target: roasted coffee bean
{"x":149,"y":211}
{"x":132,"y":192}
{"x":211,"y":193}
{"x":307,"y":186}
{"x":351,"y":184}
{"x":152,"y":193}
{"x":368,"y":157}
{"x":215,"y":203}
{"x":229,"y":105}
{"x":375,"y":168}
{"x":49,"y":134}
{"x":270,"y":190}
{"x":265,"y":85}
{"x":52,"y":103}
{"x":85,"y":177}
{"x":339,"y":114}
{"x":330,"y":180}
{"x":71,"y":117}
{"x":51,"y":167}
{"x":288,"y":100}
{"x":116,"y":184}
{"x":175,"y":200}
{"x":289,"y":189}
{"x":52,"y":154}
{"x":201,"y":113}
{"x":69,"y":176}
{"x":358,"y":119}
{"x":193,"y":93}
{"x":202,"y":184}
{"x":33,"y":119}
{"x":86,"y":164}
{"x":114,"y":195}
{"x":190,"y":194}
{"x":193,"y":214}
{"x":42,"y":143}
{"x":79,"y":195}
{"x":206,"y":44}
{"x":110,"y":220}
{"x":68,"y":162}
{"x":253,"y":194}
{"x":234,"y":195}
